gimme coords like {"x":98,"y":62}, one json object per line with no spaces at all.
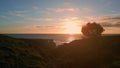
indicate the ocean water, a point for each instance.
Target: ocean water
{"x":58,"y":38}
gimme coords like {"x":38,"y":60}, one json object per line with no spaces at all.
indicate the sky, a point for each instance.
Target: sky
{"x":57,"y":16}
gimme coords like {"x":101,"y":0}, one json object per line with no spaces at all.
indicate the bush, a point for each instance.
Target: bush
{"x":92,"y":29}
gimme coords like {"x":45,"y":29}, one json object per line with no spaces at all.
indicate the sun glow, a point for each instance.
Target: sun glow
{"x":72,"y":28}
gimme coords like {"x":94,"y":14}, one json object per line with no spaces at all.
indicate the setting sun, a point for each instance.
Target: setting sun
{"x":72,"y":28}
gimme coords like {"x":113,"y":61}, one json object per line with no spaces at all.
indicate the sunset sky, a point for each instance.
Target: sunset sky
{"x":58,"y":16}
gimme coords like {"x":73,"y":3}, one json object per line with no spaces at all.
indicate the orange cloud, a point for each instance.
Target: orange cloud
{"x":40,"y":19}
{"x":43,"y":29}
{"x":63,"y":9}
{"x":87,"y":10}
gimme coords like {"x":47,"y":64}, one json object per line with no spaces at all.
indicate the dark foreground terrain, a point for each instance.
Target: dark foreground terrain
{"x":97,"y":52}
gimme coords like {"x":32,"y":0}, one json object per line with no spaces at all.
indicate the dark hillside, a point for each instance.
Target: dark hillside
{"x":97,"y":52}
{"x":18,"y":53}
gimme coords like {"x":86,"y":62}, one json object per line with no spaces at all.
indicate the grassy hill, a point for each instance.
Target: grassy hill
{"x":24,"y":53}
{"x":97,"y":52}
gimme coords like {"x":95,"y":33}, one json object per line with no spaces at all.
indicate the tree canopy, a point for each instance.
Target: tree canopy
{"x":92,"y":29}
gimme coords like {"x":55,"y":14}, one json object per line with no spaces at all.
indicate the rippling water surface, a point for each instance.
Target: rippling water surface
{"x":58,"y":38}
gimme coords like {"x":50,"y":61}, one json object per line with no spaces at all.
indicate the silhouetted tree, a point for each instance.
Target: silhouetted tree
{"x":92,"y":29}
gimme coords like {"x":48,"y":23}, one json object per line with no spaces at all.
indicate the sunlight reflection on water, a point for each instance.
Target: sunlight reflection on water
{"x":58,"y":38}
{"x":68,"y":39}
{"x":71,"y":38}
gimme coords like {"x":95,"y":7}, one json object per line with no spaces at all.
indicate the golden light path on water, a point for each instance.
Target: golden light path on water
{"x":71,"y":29}
{"x":71,"y":38}
{"x":68,"y":39}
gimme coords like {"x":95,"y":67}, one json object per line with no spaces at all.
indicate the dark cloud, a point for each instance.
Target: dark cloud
{"x":110,"y":21}
{"x":48,"y":27}
{"x":106,"y":24}
{"x":110,"y":18}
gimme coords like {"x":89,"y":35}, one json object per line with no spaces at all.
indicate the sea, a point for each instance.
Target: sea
{"x":58,"y":38}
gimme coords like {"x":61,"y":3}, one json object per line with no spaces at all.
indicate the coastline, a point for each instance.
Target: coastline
{"x":96,"y":52}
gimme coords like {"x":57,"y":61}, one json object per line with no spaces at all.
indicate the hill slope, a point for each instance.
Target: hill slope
{"x":97,"y":52}
{"x":18,"y":53}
